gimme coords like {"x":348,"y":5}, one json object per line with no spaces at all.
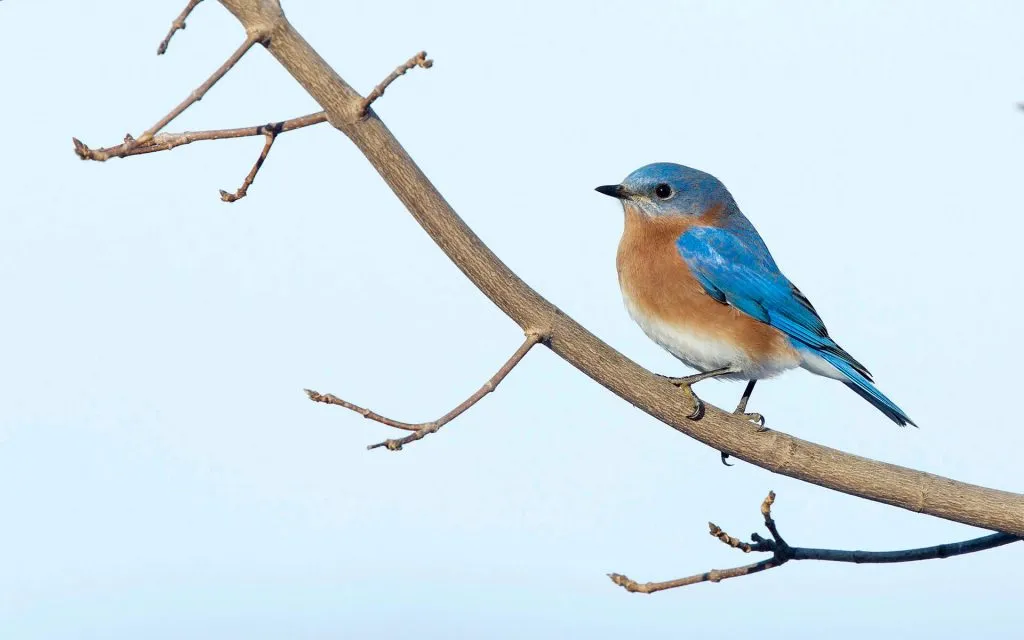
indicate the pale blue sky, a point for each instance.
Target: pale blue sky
{"x":163,"y":476}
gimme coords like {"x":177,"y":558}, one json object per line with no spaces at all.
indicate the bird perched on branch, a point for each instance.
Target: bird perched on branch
{"x":699,"y":280}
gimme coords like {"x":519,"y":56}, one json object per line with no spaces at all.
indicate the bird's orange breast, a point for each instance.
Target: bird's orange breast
{"x":659,"y":285}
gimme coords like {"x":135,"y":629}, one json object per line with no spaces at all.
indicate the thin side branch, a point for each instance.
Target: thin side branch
{"x":715,"y":575}
{"x":168,"y":141}
{"x":783,"y":553}
{"x":147,"y":139}
{"x":201,"y":90}
{"x":422,"y":429}
{"x":177,"y":25}
{"x":418,"y":60}
{"x":242,"y":190}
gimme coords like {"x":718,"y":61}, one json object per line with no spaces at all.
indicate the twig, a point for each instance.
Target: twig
{"x":735,"y":543}
{"x":168,"y":141}
{"x":422,"y":429}
{"x":769,"y":523}
{"x":418,"y":60}
{"x":783,"y":553}
{"x":715,"y":575}
{"x":198,"y":93}
{"x":242,"y":190}
{"x":177,"y":25}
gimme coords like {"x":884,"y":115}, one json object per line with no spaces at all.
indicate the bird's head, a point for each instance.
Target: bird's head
{"x":667,"y":189}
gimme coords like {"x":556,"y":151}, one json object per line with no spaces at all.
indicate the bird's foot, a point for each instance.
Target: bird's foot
{"x":756,"y":418}
{"x":686,"y":384}
{"x":698,"y":404}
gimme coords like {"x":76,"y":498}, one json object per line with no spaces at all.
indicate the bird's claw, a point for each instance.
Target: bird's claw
{"x":698,"y":406}
{"x":756,"y":418}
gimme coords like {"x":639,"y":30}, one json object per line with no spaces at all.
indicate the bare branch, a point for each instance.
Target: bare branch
{"x":177,"y":25}
{"x":242,"y":190}
{"x":147,"y":139}
{"x":772,"y":450}
{"x":735,"y":543}
{"x":168,"y":141}
{"x":783,"y":553}
{"x":418,"y":60}
{"x":422,"y":429}
{"x":200,"y":91}
{"x":715,"y":575}
{"x":769,"y":523}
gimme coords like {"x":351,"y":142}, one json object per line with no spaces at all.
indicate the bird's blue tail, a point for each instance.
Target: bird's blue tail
{"x":862,"y":385}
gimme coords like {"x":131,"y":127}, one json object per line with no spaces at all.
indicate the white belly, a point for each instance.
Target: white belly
{"x":704,"y":352}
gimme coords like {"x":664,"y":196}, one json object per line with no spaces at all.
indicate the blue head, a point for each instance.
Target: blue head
{"x":667,"y":189}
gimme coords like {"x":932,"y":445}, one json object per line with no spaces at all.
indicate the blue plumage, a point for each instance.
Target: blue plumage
{"x":741,"y":272}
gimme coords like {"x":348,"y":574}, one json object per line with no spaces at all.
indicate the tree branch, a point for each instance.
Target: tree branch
{"x":242,"y":190}
{"x":199,"y":92}
{"x":422,"y":429}
{"x":917,"y":491}
{"x":147,"y":137}
{"x":772,"y":450}
{"x":177,"y":25}
{"x":168,"y":141}
{"x":418,"y":60}
{"x":783,"y":553}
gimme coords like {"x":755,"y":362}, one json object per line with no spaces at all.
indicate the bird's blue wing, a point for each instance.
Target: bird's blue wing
{"x":737,"y":269}
{"x":740,"y":272}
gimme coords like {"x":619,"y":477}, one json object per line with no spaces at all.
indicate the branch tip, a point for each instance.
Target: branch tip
{"x":423,"y":429}
{"x":418,"y":60}
{"x":168,"y":141}
{"x":735,"y":543}
{"x":271,"y":135}
{"x":177,"y":25}
{"x":783,"y":553}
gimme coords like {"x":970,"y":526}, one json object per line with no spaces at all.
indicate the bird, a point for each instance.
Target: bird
{"x":699,"y":280}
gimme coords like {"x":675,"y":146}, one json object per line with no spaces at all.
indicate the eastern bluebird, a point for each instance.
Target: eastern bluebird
{"x":699,"y":280}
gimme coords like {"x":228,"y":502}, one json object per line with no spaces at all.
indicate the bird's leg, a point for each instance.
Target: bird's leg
{"x":741,"y":408}
{"x":689,"y":381}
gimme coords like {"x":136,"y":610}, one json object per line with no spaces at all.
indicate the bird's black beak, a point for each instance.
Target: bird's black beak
{"x":613,"y":190}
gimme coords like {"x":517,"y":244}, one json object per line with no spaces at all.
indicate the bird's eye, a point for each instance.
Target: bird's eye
{"x":663,"y":191}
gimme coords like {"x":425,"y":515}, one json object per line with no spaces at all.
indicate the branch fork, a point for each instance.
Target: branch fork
{"x":151,"y":140}
{"x":782,"y":553}
{"x":422,"y":429}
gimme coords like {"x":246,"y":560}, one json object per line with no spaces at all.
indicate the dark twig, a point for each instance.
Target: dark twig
{"x":769,"y":523}
{"x":242,"y":190}
{"x":168,"y":141}
{"x":177,"y":25}
{"x":418,"y":60}
{"x":783,"y":553}
{"x":422,"y":429}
